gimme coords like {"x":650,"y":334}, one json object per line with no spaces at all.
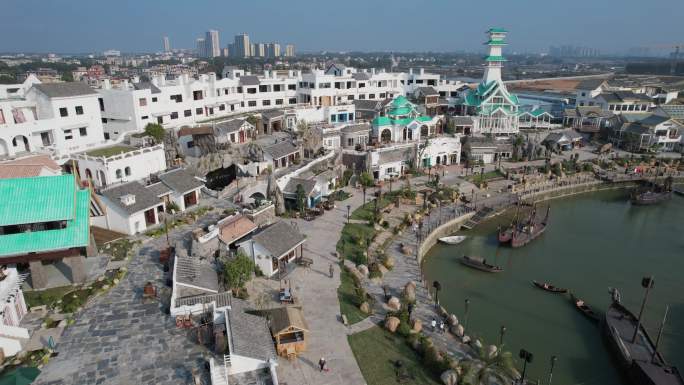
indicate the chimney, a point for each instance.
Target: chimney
{"x":106,"y":84}
{"x":212,"y":77}
{"x":410,"y":71}
{"x":128,"y":199}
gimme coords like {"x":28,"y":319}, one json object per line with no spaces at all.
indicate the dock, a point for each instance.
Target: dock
{"x":479,"y":216}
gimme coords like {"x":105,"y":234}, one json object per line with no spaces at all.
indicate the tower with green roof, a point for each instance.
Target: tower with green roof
{"x":496,"y":109}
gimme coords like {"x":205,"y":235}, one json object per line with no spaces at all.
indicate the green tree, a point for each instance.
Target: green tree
{"x":366,"y":181}
{"x":237,"y":271}
{"x":6,"y":79}
{"x":489,"y":367}
{"x":156,"y":131}
{"x":301,"y":198}
{"x":67,"y":76}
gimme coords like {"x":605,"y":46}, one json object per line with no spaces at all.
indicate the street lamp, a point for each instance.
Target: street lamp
{"x":438,"y":287}
{"x":527,"y":358}
{"x":465,"y":322}
{"x":501,"y":334}
{"x":553,"y":363}
{"x":348,"y":210}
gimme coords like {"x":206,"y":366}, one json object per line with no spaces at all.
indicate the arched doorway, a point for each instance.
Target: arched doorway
{"x":101,"y":177}
{"x":424,"y":131}
{"x":405,"y":133}
{"x":20,"y":143}
{"x":88,"y":174}
{"x":386,"y":136}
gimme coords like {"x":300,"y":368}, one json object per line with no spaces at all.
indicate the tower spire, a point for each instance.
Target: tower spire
{"x":494,"y":60}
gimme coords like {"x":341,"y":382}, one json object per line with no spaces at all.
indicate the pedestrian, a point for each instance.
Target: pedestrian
{"x":332,"y":270}
{"x":321,"y":364}
{"x":441,"y":327}
{"x":433,"y":324}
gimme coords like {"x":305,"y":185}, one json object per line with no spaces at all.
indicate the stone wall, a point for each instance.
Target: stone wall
{"x":444,"y":230}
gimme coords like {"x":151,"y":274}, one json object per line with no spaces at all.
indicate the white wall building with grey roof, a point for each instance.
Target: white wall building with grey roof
{"x":57,"y":118}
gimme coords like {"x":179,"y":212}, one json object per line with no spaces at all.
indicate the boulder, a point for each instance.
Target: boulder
{"x":406,"y":250}
{"x":458,"y":330}
{"x":388,"y":262}
{"x":356,"y":272}
{"x":452,"y":320}
{"x":363,"y":269}
{"x":449,"y":377}
{"x":382,"y":268}
{"x":394,"y":303}
{"x":465,"y":339}
{"x":410,"y":292}
{"x":492,"y":351}
{"x":392,"y":323}
{"x":412,"y":284}
{"x":478,"y":344}
{"x":417,"y":326}
{"x":365,"y":308}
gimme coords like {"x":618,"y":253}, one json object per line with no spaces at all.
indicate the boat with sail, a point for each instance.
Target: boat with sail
{"x":531,"y":230}
{"x":654,"y":193}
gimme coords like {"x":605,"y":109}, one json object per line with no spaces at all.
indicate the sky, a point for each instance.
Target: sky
{"x":79,"y":26}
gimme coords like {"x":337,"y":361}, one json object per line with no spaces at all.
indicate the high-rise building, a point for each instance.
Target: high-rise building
{"x":167,"y":45}
{"x":273,"y":50}
{"x":260,"y":50}
{"x":212,"y":41}
{"x":201,"y":47}
{"x":290,"y":50}
{"x":252,"y":49}
{"x":241,"y":46}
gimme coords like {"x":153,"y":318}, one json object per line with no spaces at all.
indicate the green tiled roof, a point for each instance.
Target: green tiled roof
{"x":496,"y":42}
{"x":75,"y":234}
{"x":497,"y":30}
{"x":382,"y":121}
{"x":495,"y":58}
{"x":400,"y":111}
{"x":538,"y":112}
{"x":424,"y":119}
{"x":400,"y":101}
{"x":37,"y":199}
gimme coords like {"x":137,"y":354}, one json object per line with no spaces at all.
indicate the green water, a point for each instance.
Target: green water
{"x":593,"y":242}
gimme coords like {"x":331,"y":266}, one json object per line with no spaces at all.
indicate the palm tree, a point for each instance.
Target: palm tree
{"x":366,"y":181}
{"x":488,"y":366}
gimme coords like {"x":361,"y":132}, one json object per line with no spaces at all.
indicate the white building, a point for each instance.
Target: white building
{"x":12,"y":310}
{"x":59,"y":118}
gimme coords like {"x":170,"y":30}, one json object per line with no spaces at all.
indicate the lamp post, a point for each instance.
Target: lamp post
{"x":348,"y":210}
{"x":647,"y":283}
{"x":527,"y":358}
{"x":465,"y":322}
{"x":553,"y":363}
{"x":501,"y":334}
{"x":438,"y":287}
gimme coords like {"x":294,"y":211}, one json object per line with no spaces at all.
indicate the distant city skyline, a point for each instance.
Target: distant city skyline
{"x":612,"y":26}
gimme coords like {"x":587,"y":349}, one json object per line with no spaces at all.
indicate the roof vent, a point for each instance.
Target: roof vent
{"x":128,"y":199}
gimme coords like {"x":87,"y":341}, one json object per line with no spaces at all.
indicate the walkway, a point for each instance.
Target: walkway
{"x":318,"y":295}
{"x":119,"y":339}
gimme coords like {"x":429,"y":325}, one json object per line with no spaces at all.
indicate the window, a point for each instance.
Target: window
{"x":104,"y":120}
{"x":279,"y":102}
{"x":251,"y":103}
{"x":191,"y":144}
{"x":68,"y":135}
{"x":338,"y":85}
{"x":350,"y":97}
{"x":584,"y":94}
{"x":232,"y":107}
{"x":453,"y":94}
{"x":222,"y":107}
{"x":251,"y":90}
{"x":83,"y":131}
{"x":277,"y":87}
{"x":174,"y":115}
{"x":119,"y":174}
{"x":266,"y":103}
{"x":239,"y":90}
{"x":292,"y":87}
{"x":177,"y":98}
{"x":160,"y":119}
{"x":197,"y":95}
{"x":362,"y":97}
{"x":263,"y":88}
{"x":101,"y":101}
{"x":127,"y":171}
{"x":63,"y":112}
{"x":142,"y":102}
{"x":292,"y":101}
{"x":371,"y":96}
{"x":154,"y":99}
{"x":333,"y":118}
{"x":351,"y":116}
{"x":144,"y":117}
{"x":187,"y":113}
{"x":382,"y":96}
{"x":79,"y":110}
{"x":419,"y":81}
{"x":45,"y":138}
{"x":362,"y":85}
{"x":198,"y":111}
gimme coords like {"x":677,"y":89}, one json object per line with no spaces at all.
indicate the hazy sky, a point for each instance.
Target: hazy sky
{"x":397,"y":25}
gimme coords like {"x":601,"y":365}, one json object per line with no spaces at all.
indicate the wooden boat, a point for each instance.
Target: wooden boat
{"x":480,"y":263}
{"x":505,"y":235}
{"x":654,"y":194}
{"x":531,"y":230}
{"x":550,"y":288}
{"x":584,"y":308}
{"x":640,"y":360}
{"x":453,"y":240}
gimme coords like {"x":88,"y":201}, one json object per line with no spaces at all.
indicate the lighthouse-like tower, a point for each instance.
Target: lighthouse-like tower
{"x":494,"y":109}
{"x":494,"y":61}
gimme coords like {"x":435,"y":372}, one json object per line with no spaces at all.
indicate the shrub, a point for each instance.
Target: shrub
{"x":385,"y":224}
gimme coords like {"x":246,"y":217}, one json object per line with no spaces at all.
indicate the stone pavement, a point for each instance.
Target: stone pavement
{"x":120,"y":339}
{"x":318,"y":295}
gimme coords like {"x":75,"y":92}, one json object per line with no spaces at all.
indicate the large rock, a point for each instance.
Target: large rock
{"x":392,"y":323}
{"x":365,"y":308}
{"x":410,"y":292}
{"x":394,"y":303}
{"x":363,"y":269}
{"x":452,"y":320}
{"x":382,"y":268}
{"x":388,"y":262}
{"x":450,"y":377}
{"x":492,"y":351}
{"x":478,"y":344}
{"x":465,"y":339}
{"x":458,"y":330}
{"x":417,"y":326}
{"x":356,"y":272}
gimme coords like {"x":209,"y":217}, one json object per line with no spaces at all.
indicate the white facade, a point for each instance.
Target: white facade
{"x":33,"y":121}
{"x":13,"y":307}
{"x":137,"y":164}
{"x":443,"y":150}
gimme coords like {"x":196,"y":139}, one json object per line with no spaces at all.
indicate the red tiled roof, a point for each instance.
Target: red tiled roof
{"x":28,"y":167}
{"x":202,"y":130}
{"x":235,"y":229}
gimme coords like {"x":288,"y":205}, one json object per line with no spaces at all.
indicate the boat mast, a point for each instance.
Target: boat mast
{"x":648,"y":283}
{"x":660,"y":333}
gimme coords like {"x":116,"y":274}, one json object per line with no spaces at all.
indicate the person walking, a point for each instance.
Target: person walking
{"x":433,"y":324}
{"x":332,"y":270}
{"x":321,"y":363}
{"x":441,"y":327}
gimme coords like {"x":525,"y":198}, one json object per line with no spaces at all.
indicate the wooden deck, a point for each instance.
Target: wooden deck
{"x":104,"y":236}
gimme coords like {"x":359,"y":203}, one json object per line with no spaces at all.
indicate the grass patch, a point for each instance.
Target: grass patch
{"x":376,"y":351}
{"x":353,"y":241}
{"x":46,"y":297}
{"x":119,"y":249}
{"x":340,"y":195}
{"x":349,"y":302}
{"x":366,"y":211}
{"x":110,"y":151}
{"x":480,"y":178}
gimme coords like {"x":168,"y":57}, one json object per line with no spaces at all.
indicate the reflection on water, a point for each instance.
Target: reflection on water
{"x":593,"y":242}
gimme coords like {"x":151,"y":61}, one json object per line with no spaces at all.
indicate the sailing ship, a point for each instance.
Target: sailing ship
{"x":505,"y":235}
{"x":635,"y":350}
{"x":654,"y":193}
{"x":522,"y":234}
